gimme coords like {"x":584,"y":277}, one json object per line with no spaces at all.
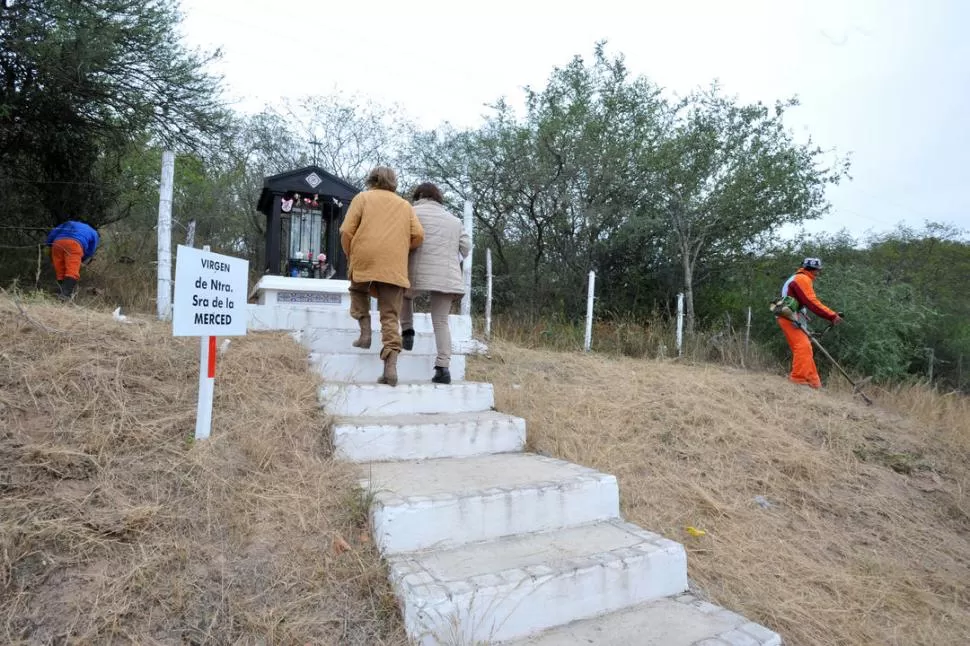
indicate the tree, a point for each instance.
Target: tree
{"x":604,"y":172}
{"x":345,"y":135}
{"x":553,"y":188}
{"x":934,"y":262}
{"x":82,"y":81}
{"x":726,"y":174}
{"x":219,"y":186}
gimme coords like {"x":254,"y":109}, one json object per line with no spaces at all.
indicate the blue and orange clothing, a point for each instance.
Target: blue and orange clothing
{"x":82,"y":233}
{"x":800,"y":287}
{"x":71,"y":243}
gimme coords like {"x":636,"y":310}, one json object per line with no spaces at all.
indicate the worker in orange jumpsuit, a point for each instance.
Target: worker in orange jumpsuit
{"x":799,"y":292}
{"x":72,"y":244}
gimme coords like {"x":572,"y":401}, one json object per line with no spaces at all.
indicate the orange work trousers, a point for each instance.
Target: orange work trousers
{"x":803,"y":370}
{"x":66,"y":254}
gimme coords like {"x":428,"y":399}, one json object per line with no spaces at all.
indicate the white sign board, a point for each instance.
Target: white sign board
{"x":210,"y":294}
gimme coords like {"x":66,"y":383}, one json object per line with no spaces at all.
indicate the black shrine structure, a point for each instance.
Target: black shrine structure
{"x":304,"y":209}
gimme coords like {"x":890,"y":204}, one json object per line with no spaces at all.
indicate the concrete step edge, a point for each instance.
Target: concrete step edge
{"x":427,"y":419}
{"x":422,"y":437}
{"x":414,"y":506}
{"x":727,"y":627}
{"x":514,"y":602}
{"x":405,"y":569}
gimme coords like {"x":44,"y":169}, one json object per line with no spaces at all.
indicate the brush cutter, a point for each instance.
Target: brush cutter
{"x":856,"y":387}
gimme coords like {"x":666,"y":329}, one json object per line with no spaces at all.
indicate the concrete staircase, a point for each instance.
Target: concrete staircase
{"x":487,"y":544}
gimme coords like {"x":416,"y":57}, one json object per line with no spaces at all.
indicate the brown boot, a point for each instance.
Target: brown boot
{"x":390,"y":370}
{"x":364,"y":340}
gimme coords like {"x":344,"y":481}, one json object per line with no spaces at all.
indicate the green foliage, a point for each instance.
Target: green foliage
{"x":603,"y":171}
{"x":726,"y":175}
{"x":84,"y":83}
{"x":884,"y":321}
{"x":553,"y":188}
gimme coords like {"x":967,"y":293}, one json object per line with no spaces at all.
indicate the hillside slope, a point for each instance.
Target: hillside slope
{"x":116,"y":527}
{"x":827,"y":521}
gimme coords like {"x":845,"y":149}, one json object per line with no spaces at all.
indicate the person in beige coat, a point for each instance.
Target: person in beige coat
{"x":435,"y":267}
{"x":377,"y":234}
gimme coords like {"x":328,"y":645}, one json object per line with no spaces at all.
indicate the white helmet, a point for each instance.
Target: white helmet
{"x":812,"y":263}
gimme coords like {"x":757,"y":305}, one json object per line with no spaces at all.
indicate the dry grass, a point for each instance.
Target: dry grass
{"x":867,"y":536}
{"x":653,"y":338}
{"x":115,"y":527}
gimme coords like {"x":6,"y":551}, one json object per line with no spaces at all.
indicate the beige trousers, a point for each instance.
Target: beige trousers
{"x":440,"y":309}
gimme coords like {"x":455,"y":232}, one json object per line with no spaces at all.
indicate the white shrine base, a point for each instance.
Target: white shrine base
{"x":283,"y":290}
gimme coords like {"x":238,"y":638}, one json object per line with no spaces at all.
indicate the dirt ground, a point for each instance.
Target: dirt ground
{"x":830,"y":522}
{"x":116,"y":527}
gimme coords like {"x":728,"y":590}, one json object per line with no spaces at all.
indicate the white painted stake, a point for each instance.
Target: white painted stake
{"x":680,"y":324}
{"x":747,"y":334}
{"x":466,"y":302}
{"x":190,"y":235}
{"x":207,"y":384}
{"x":488,"y":294}
{"x":164,"y":230}
{"x":589,"y":311}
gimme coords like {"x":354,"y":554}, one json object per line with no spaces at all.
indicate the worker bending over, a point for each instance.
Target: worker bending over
{"x":72,"y":244}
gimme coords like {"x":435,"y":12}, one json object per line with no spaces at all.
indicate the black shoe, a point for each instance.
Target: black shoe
{"x":68,"y":285}
{"x":407,"y":339}
{"x":441,"y":376}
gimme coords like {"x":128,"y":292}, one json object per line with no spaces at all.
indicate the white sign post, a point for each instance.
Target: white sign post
{"x":210,"y":301}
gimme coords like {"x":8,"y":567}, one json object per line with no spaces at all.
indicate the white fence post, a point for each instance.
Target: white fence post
{"x":680,"y":324}
{"x":488,"y":294}
{"x":466,"y":302}
{"x":190,"y":234}
{"x":747,"y":335}
{"x":589,"y":311}
{"x":164,"y":230}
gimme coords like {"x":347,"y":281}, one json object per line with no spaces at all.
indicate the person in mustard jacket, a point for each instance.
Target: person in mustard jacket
{"x":377,"y":235}
{"x":798,"y":293}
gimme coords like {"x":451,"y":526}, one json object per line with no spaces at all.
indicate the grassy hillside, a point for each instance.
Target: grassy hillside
{"x":116,"y":527}
{"x":830,"y":522}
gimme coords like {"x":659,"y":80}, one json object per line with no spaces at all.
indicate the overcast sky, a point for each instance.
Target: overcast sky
{"x":887,"y":81}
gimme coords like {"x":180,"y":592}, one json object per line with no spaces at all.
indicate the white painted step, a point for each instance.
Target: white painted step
{"x":406,"y":398}
{"x":419,"y":437}
{"x":340,"y":341}
{"x":366,"y":368}
{"x":324,"y":317}
{"x":445,"y":503}
{"x":676,"y":621}
{"x":521,"y":585}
